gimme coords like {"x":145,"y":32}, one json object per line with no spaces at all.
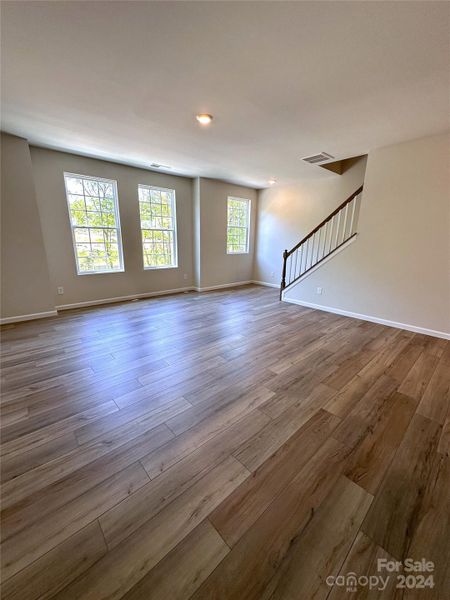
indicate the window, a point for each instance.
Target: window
{"x":158,"y":226}
{"x":238,"y":225}
{"x":94,"y":217}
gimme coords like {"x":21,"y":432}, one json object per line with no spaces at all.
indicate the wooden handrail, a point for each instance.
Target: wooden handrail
{"x":324,"y":253}
{"x":328,"y":218}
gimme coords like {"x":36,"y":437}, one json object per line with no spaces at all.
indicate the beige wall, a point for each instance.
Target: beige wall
{"x":34,"y":189}
{"x":48,"y":169}
{"x":399,"y":267}
{"x":288,"y":213}
{"x":197,"y":232}
{"x":24,"y":275}
{"x":216,"y":266}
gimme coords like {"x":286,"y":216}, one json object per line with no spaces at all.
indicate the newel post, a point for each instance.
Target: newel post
{"x":283,"y":273}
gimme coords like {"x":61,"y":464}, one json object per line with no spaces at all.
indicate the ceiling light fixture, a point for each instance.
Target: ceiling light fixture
{"x":204,"y":119}
{"x":272,"y":181}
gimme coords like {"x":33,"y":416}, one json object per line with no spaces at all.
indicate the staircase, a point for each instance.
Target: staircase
{"x":323,"y":241}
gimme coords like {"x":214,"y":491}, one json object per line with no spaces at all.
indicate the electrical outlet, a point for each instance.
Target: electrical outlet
{"x":60,"y":290}
{"x":318,"y":290}
{"x":185,"y":276}
{"x":272,"y":275}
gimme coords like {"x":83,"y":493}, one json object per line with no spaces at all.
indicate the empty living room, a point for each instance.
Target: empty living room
{"x":225,"y":300}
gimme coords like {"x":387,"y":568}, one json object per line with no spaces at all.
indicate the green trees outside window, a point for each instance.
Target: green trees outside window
{"x":94,"y":218}
{"x":238,"y":219}
{"x":158,"y":226}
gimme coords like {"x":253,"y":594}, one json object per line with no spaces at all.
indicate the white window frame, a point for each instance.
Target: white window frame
{"x":248,"y":203}
{"x":172,"y":194}
{"x":118,"y":228}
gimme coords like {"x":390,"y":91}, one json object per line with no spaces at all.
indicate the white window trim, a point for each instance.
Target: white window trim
{"x":118,"y":227}
{"x":175,"y":232}
{"x":247,"y":244}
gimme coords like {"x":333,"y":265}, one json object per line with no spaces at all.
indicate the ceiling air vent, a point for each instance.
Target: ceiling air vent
{"x":318,"y":158}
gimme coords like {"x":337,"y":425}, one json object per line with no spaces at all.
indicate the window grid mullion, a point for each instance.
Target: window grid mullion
{"x":151,"y":201}
{"x":238,"y":212}
{"x":99,"y":258}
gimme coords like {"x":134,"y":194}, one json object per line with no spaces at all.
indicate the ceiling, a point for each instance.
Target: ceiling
{"x":284,"y":80}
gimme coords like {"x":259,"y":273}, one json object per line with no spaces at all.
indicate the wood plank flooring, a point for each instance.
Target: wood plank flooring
{"x":220,"y":446}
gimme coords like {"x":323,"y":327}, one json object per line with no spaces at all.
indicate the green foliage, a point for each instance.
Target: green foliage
{"x":158,"y":227}
{"x":237,"y":230}
{"x":92,"y":206}
{"x":95,"y":228}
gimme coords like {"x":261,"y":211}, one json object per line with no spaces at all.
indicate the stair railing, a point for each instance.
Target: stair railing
{"x":332,"y":233}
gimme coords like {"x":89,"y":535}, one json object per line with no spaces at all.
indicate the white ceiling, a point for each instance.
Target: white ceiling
{"x":124,"y":80}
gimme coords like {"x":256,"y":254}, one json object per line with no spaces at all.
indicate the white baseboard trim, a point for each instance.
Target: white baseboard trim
{"x":347,"y":313}
{"x":149,"y":295}
{"x":222,"y":286}
{"x":123,"y":298}
{"x":116,"y":299}
{"x":30,"y":317}
{"x":266,"y":284}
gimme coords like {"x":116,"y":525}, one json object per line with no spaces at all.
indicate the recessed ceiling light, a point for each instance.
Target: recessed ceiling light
{"x":204,"y":119}
{"x":272,"y":181}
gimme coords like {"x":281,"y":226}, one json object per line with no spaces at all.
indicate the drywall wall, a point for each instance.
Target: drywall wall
{"x":36,"y":179}
{"x":399,"y":267}
{"x":287,"y":213}
{"x":216,"y":267}
{"x":24,"y":275}
{"x":48,"y":169}
{"x":197,"y":232}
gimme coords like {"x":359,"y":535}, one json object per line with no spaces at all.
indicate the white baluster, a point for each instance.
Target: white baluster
{"x":353,"y":214}
{"x":331,"y":234}
{"x":344,"y":232}
{"x":324,"y":241}
{"x":336,"y":242}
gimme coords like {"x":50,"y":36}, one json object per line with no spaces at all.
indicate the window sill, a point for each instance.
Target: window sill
{"x":159,"y":268}
{"x":100,"y":272}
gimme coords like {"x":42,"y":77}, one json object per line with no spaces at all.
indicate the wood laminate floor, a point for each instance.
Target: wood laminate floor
{"x":219,"y":446}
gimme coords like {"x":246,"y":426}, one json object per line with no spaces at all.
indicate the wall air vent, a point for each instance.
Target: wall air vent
{"x":318,"y":158}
